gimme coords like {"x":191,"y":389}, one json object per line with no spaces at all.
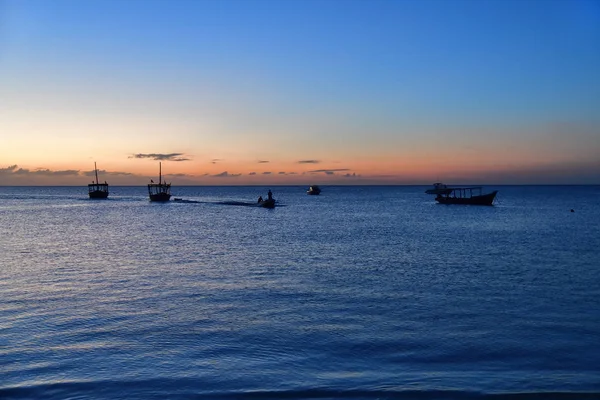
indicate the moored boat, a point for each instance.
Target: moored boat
{"x":160,"y":191}
{"x":439,"y":188}
{"x":313,"y":190}
{"x":97,"y":190}
{"x":467,"y":195}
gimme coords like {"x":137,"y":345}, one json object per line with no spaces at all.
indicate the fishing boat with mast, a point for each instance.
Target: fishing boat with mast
{"x":97,"y":190}
{"x":160,"y":191}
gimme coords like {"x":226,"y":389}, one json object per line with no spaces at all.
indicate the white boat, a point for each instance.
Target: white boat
{"x":439,"y":188}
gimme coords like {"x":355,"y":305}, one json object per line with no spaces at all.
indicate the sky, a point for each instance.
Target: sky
{"x":300,"y":92}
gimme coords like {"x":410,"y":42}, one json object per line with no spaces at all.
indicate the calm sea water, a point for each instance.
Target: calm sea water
{"x":360,"y":293}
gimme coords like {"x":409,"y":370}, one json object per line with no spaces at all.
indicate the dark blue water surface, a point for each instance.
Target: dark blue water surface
{"x":361,"y":293}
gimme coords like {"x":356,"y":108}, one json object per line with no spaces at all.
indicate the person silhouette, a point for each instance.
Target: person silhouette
{"x":260,"y":199}
{"x":270,"y":194}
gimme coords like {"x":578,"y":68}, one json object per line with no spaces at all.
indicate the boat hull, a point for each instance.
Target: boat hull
{"x":267,"y":203}
{"x":481,"y":200}
{"x":160,"y":197}
{"x":98,"y":194}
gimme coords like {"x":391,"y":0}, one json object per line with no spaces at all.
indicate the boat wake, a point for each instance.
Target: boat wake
{"x":234,"y":203}
{"x":223,"y":203}
{"x":177,"y":200}
{"x":240,"y":203}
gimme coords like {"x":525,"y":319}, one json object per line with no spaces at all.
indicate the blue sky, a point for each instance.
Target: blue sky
{"x":361,"y":84}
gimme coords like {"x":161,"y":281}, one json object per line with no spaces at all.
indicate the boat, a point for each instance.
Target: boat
{"x":467,"y":195}
{"x":268,"y":203}
{"x":160,"y":191}
{"x":439,"y":188}
{"x":97,"y":190}
{"x":314,"y":190}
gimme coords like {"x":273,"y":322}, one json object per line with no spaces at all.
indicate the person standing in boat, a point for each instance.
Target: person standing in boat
{"x":270,"y":195}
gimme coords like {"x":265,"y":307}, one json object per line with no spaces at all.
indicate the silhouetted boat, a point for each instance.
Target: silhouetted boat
{"x":439,"y":188}
{"x":269,"y":203}
{"x":314,"y":190}
{"x":97,"y":190}
{"x":160,"y":191}
{"x":467,"y":195}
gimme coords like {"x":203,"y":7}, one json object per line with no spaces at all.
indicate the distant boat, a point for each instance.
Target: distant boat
{"x":439,"y":188}
{"x":160,"y":191}
{"x":314,"y":190}
{"x":97,"y":190}
{"x":467,"y":195}
{"x":268,"y":203}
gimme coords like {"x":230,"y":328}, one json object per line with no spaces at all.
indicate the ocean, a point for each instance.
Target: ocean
{"x":363,"y":292}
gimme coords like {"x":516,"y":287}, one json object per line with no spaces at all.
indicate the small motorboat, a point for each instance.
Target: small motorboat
{"x":313,"y":190}
{"x":268,"y":203}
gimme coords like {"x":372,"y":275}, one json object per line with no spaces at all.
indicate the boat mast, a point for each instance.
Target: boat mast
{"x":159,"y":173}
{"x":96,"y":169}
